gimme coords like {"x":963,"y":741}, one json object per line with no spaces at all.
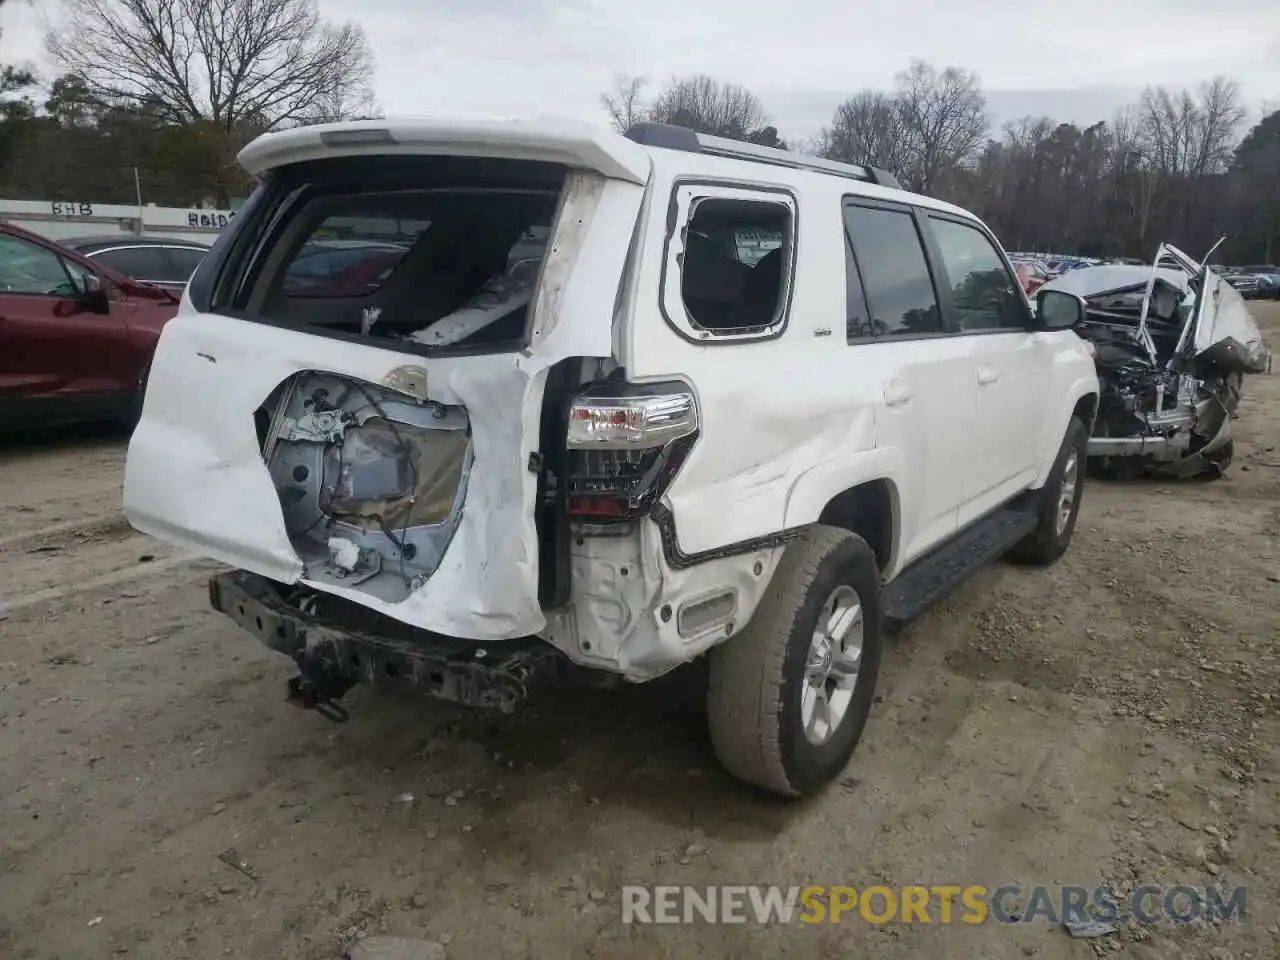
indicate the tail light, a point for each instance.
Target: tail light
{"x":626,"y":444}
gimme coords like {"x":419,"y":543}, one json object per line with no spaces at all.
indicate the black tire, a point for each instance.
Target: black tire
{"x":758,"y":677}
{"x":1219,"y":460}
{"x":1050,"y":539}
{"x":133,"y":411}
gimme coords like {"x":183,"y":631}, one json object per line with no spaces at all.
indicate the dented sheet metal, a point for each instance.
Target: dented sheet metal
{"x":196,"y":474}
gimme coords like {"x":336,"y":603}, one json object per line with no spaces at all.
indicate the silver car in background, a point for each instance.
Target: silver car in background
{"x":157,"y":260}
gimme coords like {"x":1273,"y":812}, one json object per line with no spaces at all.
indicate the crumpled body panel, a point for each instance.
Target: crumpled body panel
{"x":196,"y":477}
{"x":195,"y":474}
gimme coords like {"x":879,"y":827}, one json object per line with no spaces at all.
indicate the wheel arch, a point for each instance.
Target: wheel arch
{"x":870,"y":510}
{"x":1079,"y":401}
{"x":862,"y":494}
{"x":1086,"y":409}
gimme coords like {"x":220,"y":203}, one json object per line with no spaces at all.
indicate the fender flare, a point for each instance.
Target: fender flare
{"x":817,"y":486}
{"x":1056,"y":428}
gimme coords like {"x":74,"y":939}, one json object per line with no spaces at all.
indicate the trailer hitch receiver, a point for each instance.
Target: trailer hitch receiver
{"x":320,"y":694}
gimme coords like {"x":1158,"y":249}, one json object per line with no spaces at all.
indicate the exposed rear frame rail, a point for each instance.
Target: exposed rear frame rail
{"x":670,"y":137}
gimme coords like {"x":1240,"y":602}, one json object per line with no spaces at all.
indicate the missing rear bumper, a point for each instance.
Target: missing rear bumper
{"x":332,"y":657}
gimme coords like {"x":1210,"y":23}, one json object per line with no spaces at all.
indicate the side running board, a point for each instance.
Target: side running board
{"x":937,"y":573}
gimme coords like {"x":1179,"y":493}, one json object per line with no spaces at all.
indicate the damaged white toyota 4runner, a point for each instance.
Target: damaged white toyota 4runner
{"x":465,"y":402}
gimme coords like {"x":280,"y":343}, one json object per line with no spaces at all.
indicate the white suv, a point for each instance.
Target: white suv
{"x":466,"y":402}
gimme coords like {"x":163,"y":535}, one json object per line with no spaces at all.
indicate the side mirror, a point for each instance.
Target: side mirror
{"x":95,"y":294}
{"x":1059,"y":310}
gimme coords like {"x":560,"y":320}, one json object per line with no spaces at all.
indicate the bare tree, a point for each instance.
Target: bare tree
{"x":1221,"y":114}
{"x":1188,"y":134}
{"x":1167,"y":123}
{"x":624,"y":104}
{"x":869,"y":128}
{"x":346,"y":104}
{"x":709,"y":106}
{"x":945,"y":119}
{"x":1136,"y":171}
{"x":228,"y":63}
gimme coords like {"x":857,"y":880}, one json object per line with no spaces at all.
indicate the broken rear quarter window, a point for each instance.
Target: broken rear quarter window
{"x":732,"y":275}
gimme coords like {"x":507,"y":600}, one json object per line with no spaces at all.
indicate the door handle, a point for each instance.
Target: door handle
{"x":896,"y":394}
{"x":987,"y":374}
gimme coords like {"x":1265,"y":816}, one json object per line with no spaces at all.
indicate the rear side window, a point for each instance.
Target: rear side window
{"x":728,"y":266}
{"x":889,"y":258}
{"x":183,"y":262}
{"x":983,"y":291}
{"x":140,"y":263}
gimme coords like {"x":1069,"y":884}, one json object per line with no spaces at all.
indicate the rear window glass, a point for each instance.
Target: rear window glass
{"x":446,"y":267}
{"x":351,"y":256}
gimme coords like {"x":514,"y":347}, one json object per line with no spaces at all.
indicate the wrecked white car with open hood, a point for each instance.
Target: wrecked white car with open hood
{"x":470,"y":406}
{"x":1173,"y":343}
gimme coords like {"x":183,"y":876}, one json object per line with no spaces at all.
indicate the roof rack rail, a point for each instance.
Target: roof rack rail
{"x":671,"y":137}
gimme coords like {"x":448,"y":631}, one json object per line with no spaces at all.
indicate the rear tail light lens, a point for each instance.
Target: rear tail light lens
{"x":626,"y":444}
{"x":628,"y":422}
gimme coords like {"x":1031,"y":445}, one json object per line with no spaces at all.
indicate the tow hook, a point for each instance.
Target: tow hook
{"x":319,"y":694}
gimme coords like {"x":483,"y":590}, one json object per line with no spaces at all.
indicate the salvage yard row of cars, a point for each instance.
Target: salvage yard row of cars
{"x":1254,"y":283}
{"x":1257,"y":282}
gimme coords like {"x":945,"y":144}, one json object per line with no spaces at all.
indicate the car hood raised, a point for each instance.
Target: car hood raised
{"x":1219,"y":314}
{"x":1113,"y":277}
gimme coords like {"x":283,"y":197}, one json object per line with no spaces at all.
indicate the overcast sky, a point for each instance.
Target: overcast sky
{"x":1074,"y":60}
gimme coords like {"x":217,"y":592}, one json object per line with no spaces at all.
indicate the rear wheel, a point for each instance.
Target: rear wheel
{"x":788,"y":697}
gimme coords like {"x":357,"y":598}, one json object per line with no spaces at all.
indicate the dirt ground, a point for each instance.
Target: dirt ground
{"x":1113,"y":718}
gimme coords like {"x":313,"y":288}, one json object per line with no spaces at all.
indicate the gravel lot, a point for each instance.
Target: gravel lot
{"x":1113,"y":718}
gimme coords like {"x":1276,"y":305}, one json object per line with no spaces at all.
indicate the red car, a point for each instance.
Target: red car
{"x":1031,"y":274}
{"x":76,"y":338}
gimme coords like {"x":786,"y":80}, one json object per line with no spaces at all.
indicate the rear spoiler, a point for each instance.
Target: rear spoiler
{"x":575,"y":144}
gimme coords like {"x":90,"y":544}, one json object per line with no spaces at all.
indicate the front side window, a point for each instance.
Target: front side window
{"x":983,"y":291}
{"x":28,"y":268}
{"x":728,"y":267}
{"x":889,"y":258}
{"x":79,"y":275}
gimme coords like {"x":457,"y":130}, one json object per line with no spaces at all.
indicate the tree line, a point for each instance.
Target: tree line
{"x":1172,"y":167}
{"x":156,"y":97}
